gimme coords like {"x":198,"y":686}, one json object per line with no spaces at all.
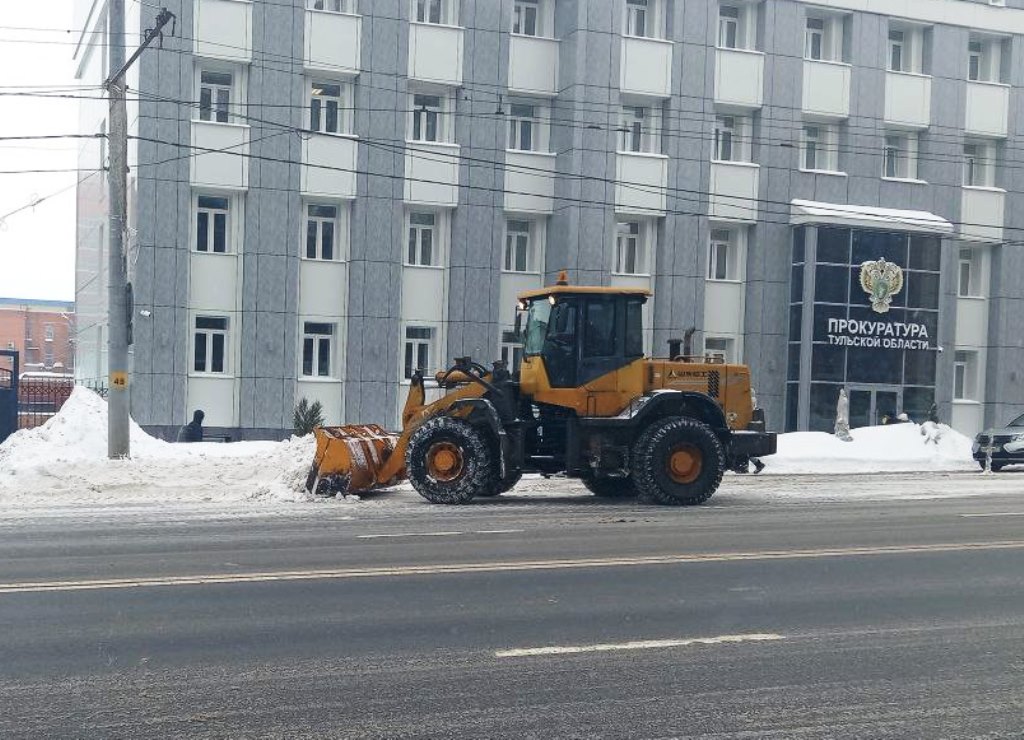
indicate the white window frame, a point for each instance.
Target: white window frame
{"x":519,"y":243}
{"x":212,"y":211}
{"x":511,"y":351}
{"x":720,"y":348}
{"x":969,"y":273}
{"x":415,"y":229}
{"x":316,"y":341}
{"x":731,"y":141}
{"x":900,"y":155}
{"x":985,"y":58}
{"x":737,"y":25}
{"x":526,"y":127}
{"x":435,"y":12}
{"x":979,"y":164}
{"x":537,"y":12}
{"x":634,"y":247}
{"x":422,"y":113}
{"x":910,"y":41}
{"x":643,"y":19}
{"x":231,"y":111}
{"x":830,"y":36}
{"x":725,"y":243}
{"x":640,"y":129}
{"x":332,"y":6}
{"x":319,"y":221}
{"x":316,"y":87}
{"x":814,"y":39}
{"x":48,"y":332}
{"x":210,"y":334}
{"x":422,"y":350}
{"x":965,"y":375}
{"x":821,"y":139}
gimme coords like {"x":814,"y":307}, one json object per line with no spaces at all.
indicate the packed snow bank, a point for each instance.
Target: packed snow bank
{"x":64,"y":462}
{"x":67,"y":457}
{"x":893,"y":448}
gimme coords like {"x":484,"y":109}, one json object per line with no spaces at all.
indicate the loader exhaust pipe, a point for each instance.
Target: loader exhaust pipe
{"x":686,"y":343}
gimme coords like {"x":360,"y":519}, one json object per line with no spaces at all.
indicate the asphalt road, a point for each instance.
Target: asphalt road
{"x":559,"y":618}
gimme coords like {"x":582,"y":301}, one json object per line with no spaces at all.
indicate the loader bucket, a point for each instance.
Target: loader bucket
{"x":349,"y":459}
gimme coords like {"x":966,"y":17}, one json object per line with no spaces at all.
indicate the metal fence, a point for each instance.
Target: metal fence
{"x":40,"y":397}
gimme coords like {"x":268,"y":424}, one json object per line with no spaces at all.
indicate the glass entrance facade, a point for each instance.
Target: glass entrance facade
{"x":864,"y":315}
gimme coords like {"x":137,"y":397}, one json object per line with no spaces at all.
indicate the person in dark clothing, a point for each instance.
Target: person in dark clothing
{"x":193,"y":431}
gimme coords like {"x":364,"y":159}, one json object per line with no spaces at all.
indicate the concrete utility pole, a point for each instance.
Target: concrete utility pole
{"x":119,"y":303}
{"x":118,"y":443}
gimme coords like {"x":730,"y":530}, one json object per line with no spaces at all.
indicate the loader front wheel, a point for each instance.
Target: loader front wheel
{"x":449,"y":461}
{"x":678,"y":462}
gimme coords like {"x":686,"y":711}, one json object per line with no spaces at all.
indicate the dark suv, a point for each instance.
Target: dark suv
{"x":1006,"y":444}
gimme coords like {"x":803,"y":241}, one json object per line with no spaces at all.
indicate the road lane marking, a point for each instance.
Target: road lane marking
{"x":435,"y":534}
{"x":993,"y":513}
{"x":635,"y":645}
{"x":406,"y":534}
{"x":514,"y":566}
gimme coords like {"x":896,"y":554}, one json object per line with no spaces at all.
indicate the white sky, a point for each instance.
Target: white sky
{"x":37,"y":245}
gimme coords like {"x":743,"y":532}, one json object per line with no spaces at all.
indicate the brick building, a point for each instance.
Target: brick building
{"x":41,"y":331}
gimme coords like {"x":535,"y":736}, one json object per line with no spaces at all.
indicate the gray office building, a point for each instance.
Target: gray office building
{"x":328,"y":194}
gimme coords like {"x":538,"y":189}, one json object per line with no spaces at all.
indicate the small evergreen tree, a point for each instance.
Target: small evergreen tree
{"x":307,"y":417}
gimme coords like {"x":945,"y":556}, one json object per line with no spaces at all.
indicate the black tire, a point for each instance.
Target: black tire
{"x":667,"y":442}
{"x":611,"y":487}
{"x":505,"y":485}
{"x":473,"y":472}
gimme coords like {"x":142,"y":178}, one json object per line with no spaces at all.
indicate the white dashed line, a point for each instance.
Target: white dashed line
{"x":635,"y":645}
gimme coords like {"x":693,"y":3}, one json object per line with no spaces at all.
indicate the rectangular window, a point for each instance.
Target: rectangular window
{"x":518,"y":257}
{"x":422,"y":249}
{"x":631,"y":249}
{"x":897,"y":51}
{"x":330,"y":109}
{"x":322,"y":232}
{"x":434,"y":11}
{"x":718,"y":349}
{"x":965,"y":382}
{"x":727,"y":139}
{"x":427,"y":118}
{"x":979,"y":164}
{"x":48,"y":333}
{"x":523,"y":128}
{"x":899,"y":160}
{"x":418,"y":350}
{"x":818,"y":147}
{"x":215,"y":96}
{"x":334,"y":6}
{"x":212,"y":224}
{"x":814,"y":39}
{"x":210,"y":344}
{"x":974,"y":58}
{"x":728,"y":26}
{"x":637,"y":130}
{"x":511,"y":351}
{"x":317,"y":340}
{"x":966,"y":286}
{"x":812,"y":148}
{"x":638,"y":20}
{"x":722,"y":256}
{"x":526,"y":18}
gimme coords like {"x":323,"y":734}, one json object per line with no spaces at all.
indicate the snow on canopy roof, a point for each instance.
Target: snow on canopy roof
{"x":813,"y":212}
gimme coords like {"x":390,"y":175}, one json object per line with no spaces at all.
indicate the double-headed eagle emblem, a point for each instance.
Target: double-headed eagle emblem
{"x":881,"y":280}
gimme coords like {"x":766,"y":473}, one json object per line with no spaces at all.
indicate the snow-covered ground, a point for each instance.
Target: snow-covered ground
{"x":64,"y":463}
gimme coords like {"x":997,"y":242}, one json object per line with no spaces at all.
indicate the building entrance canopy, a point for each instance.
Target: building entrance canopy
{"x":840,"y":214}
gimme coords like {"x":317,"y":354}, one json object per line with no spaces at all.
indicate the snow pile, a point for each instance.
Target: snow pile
{"x":67,"y":458}
{"x":893,"y":448}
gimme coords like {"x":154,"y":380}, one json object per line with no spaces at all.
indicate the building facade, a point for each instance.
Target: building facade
{"x":328,"y":194}
{"x":42,"y":332}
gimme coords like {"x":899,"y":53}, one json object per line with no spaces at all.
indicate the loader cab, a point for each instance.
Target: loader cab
{"x":581,"y":334}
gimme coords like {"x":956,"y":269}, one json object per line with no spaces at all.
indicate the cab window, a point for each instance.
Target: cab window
{"x":599,"y":334}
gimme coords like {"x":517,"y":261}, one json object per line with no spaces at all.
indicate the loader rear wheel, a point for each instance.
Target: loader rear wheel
{"x":678,"y":462}
{"x":449,"y":461}
{"x":611,"y":487}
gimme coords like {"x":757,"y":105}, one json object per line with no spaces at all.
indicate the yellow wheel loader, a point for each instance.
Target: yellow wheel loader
{"x":585,"y":402}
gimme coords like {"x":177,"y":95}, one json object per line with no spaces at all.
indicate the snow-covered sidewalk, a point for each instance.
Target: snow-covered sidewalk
{"x":64,"y":463}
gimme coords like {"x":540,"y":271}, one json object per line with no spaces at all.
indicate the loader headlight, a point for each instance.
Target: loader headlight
{"x":551,"y":300}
